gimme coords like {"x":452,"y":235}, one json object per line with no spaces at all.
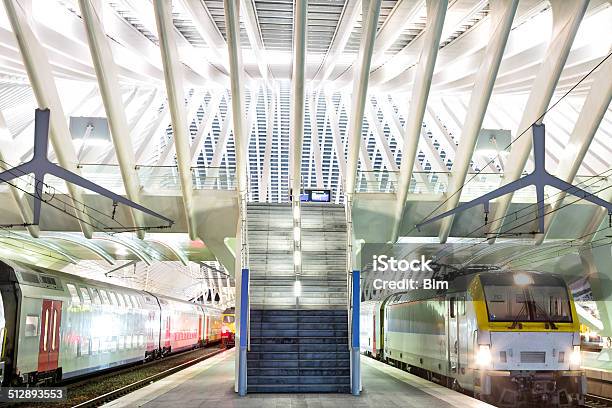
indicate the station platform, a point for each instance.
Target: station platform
{"x":211,"y":383}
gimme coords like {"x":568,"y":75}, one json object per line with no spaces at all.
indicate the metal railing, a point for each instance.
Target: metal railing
{"x":152,"y":178}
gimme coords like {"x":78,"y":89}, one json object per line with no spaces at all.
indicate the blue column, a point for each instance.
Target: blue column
{"x":244,"y":319}
{"x":356,"y":305}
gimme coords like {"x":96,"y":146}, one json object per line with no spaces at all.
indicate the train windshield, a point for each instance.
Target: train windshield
{"x":535,"y":298}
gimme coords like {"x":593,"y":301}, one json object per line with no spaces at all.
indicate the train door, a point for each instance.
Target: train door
{"x":48,"y":350}
{"x":462,"y":335}
{"x":200,"y":337}
{"x":453,"y":338}
{"x":374,"y":335}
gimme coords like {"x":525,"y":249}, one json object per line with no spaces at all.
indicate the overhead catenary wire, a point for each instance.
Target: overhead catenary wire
{"x":568,"y":92}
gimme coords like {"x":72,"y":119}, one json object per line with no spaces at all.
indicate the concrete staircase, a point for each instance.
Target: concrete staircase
{"x":299,"y":351}
{"x":323,"y":256}
{"x":298,"y":344}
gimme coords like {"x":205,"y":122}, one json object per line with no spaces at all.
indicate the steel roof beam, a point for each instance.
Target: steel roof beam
{"x":348,"y":19}
{"x":43,"y":243}
{"x":85,"y":243}
{"x":174,"y":90}
{"x":251,"y":25}
{"x":47,"y":96}
{"x":502,"y":15}
{"x":436,"y":11}
{"x":360,"y":94}
{"x":108,"y":81}
{"x":566,"y":20}
{"x":589,"y":119}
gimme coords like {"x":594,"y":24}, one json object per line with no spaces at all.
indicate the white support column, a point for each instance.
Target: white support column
{"x":43,"y":84}
{"x":436,"y":11}
{"x":593,"y":111}
{"x":297,"y":94}
{"x":175,"y":92}
{"x":232,"y":23}
{"x":360,"y":94}
{"x":502,"y":15}
{"x":567,"y":16}
{"x":108,"y":81}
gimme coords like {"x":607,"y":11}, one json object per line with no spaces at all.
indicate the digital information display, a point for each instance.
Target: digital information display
{"x":314,"y":195}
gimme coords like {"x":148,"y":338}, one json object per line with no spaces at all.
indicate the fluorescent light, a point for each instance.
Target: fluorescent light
{"x":297,"y":288}
{"x":296,"y":212}
{"x":297,"y":258}
{"x":296,"y":233}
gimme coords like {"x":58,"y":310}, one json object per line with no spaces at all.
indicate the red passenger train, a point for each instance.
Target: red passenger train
{"x":55,"y":326}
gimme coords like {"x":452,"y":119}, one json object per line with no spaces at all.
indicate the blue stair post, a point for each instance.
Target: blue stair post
{"x":355,"y":360}
{"x":244,"y":314}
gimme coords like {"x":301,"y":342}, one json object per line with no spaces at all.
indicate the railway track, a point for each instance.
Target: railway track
{"x":595,"y":401}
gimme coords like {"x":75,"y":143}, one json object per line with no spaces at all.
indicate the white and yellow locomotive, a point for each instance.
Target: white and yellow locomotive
{"x":509,"y":338}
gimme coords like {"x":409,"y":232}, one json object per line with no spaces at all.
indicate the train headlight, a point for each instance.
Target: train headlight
{"x":483,"y":356}
{"x":575,"y":357}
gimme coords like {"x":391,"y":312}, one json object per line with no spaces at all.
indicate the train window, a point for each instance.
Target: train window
{"x":45,"y":337}
{"x":85,"y":296}
{"x":141,"y":340}
{"x":121,"y":342}
{"x":53,"y":340}
{"x":104,"y":297}
{"x":31,"y":325}
{"x":128,"y":342}
{"x":95,"y":345}
{"x":73,"y":293}
{"x":85,"y":346}
{"x":95,"y":295}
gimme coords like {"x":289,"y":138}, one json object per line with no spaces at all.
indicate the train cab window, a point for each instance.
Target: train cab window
{"x":31,"y":325}
{"x":104,"y":297}
{"x":85,"y":295}
{"x":74,"y":294}
{"x":95,"y":296}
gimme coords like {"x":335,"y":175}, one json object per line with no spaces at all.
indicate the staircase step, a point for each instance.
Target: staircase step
{"x":331,"y":339}
{"x":299,"y":388}
{"x":293,"y":355}
{"x":288,"y":372}
{"x":298,"y":379}
{"x":332,"y":363}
